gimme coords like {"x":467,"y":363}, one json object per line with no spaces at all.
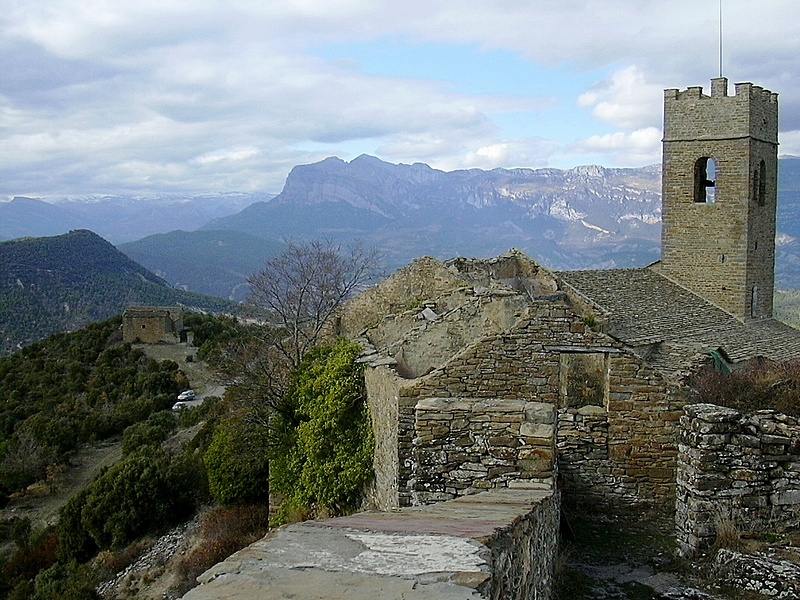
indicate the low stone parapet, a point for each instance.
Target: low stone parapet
{"x":465,"y":445}
{"x":498,"y":545}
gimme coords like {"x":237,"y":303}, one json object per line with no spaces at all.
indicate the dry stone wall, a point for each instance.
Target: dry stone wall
{"x":466,"y":445}
{"x":620,"y":439}
{"x":738,"y":469}
{"x":626,"y":447}
{"x":524,"y":554}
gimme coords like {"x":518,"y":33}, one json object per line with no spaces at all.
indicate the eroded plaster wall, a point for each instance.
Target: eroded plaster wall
{"x":383,"y":387}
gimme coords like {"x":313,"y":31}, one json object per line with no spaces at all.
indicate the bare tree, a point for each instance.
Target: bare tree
{"x":303,"y":288}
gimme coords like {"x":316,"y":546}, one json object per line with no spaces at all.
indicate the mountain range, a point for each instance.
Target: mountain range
{"x":586,"y":217}
{"x":118,"y":219}
{"x":582,"y":217}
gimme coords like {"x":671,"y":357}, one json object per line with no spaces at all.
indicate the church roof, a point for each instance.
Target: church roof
{"x":647,"y":310}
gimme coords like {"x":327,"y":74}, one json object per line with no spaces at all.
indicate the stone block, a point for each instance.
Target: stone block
{"x":592,"y":411}
{"x":536,"y":460}
{"x":533,"y":430}
{"x":785,"y":497}
{"x":768,"y":439}
{"x":540,"y":412}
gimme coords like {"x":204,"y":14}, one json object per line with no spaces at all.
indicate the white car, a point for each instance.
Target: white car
{"x":179,"y":406}
{"x":187,"y":395}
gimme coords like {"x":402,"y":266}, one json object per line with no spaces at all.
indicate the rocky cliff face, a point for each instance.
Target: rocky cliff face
{"x":579,"y":218}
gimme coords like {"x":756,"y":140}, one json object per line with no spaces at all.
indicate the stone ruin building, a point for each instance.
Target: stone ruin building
{"x":153,"y":324}
{"x":487,"y":374}
{"x":494,"y":384}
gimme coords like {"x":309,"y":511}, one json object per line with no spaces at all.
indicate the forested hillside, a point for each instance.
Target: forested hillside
{"x":58,"y":395}
{"x":55,"y":284}
{"x":212,"y":262}
{"x":72,"y":389}
{"x":85,"y":387}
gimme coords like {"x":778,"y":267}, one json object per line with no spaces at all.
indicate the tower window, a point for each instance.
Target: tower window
{"x":760,"y":184}
{"x":754,"y":302}
{"x":705,"y":180}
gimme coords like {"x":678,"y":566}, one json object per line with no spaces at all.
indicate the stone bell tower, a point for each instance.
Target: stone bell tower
{"x":719,"y":193}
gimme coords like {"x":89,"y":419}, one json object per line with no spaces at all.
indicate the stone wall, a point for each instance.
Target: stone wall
{"x":421,"y":280}
{"x":617,"y":418}
{"x":383,"y":390}
{"x":512,"y":365}
{"x":626,"y":446}
{"x":466,"y":445}
{"x":524,"y":555}
{"x":741,"y":469}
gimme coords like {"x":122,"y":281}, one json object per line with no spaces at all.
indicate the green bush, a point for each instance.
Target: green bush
{"x":144,"y":492}
{"x":323,"y":455}
{"x":74,"y":389}
{"x":158,"y":427}
{"x":74,"y":541}
{"x":237,"y":462}
{"x":70,"y":581}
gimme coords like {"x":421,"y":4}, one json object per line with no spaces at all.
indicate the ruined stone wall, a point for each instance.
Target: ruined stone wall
{"x":421,"y":339}
{"x":625,"y":445}
{"x":512,"y":365}
{"x":618,"y":440}
{"x":383,"y":392}
{"x":152,"y":325}
{"x":742,"y":469}
{"x":524,"y":555}
{"x":466,"y":445}
{"x":424,"y":279}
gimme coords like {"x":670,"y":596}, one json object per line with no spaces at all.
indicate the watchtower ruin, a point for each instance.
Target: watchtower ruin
{"x":719,"y":195}
{"x":153,"y":325}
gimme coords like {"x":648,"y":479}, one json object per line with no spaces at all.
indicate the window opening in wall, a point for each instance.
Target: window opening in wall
{"x":756,"y":186}
{"x":761,"y":192}
{"x":705,"y":180}
{"x":754,"y":302}
{"x":722,"y":258}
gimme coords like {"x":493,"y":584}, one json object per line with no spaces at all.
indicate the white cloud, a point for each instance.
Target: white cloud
{"x":212,"y":95}
{"x":642,"y":146}
{"x":624,"y":100}
{"x":789,"y":143}
{"x":514,"y":153}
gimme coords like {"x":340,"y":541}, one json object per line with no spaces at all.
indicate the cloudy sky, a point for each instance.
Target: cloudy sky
{"x":106,"y":96}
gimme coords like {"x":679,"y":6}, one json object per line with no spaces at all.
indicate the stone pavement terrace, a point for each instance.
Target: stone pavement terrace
{"x":498,"y":544}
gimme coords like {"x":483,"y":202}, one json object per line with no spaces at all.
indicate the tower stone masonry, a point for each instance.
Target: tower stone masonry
{"x":719,"y":195}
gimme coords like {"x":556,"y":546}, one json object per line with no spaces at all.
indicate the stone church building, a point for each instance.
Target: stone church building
{"x":485,"y":374}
